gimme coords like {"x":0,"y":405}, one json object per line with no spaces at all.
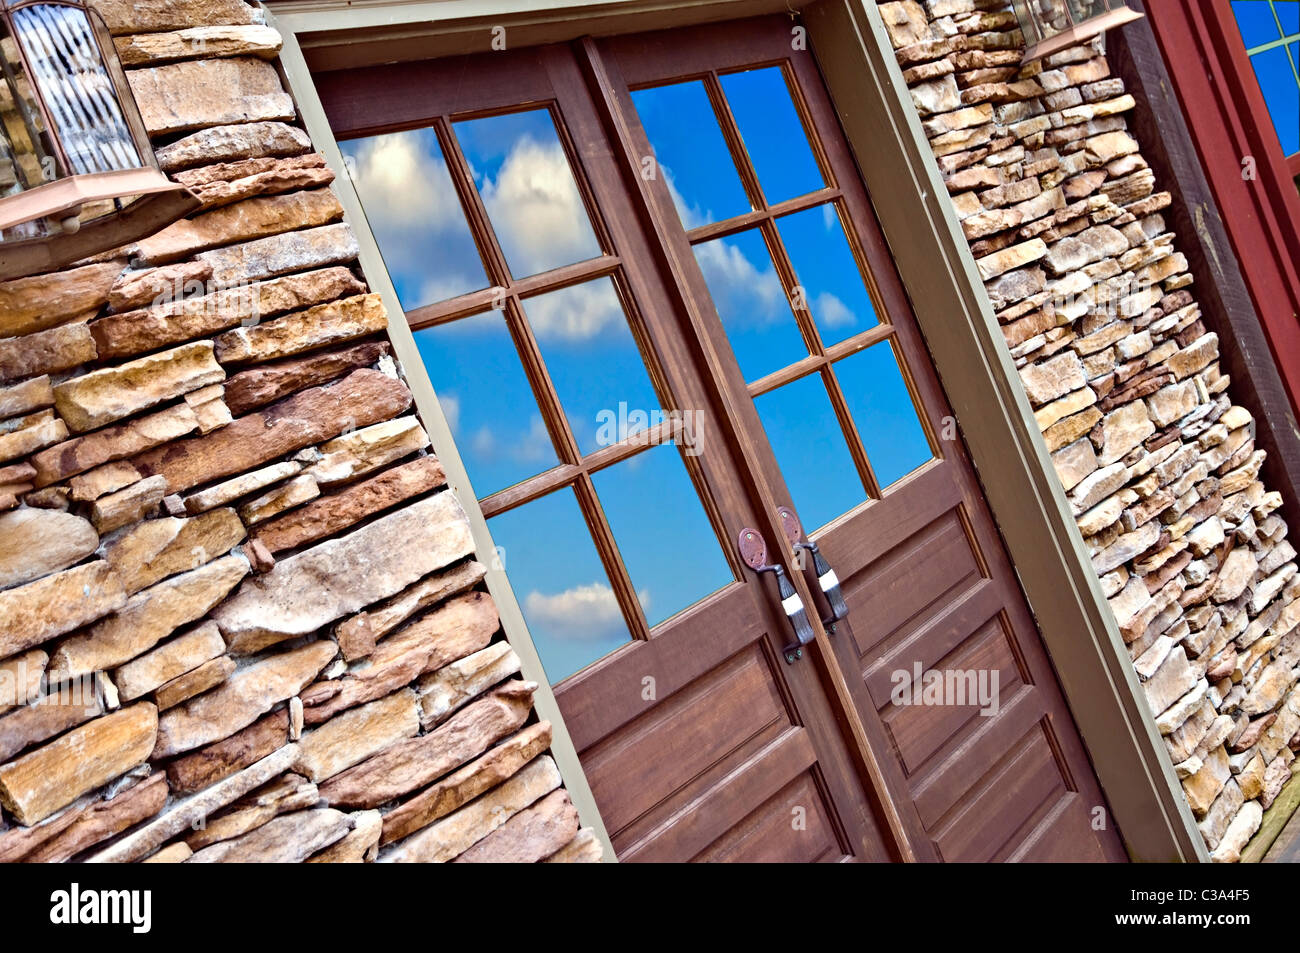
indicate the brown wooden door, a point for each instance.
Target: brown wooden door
{"x":701,"y":736}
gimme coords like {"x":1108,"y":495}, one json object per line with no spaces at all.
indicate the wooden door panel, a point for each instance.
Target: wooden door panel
{"x":1056,"y":838}
{"x":769,"y":835}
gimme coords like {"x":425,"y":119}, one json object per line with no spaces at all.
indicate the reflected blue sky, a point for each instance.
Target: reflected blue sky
{"x":1277,"y":70}
{"x":523,"y":177}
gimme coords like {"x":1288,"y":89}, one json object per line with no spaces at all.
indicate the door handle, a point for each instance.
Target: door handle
{"x":826,"y":578}
{"x":753,"y":550}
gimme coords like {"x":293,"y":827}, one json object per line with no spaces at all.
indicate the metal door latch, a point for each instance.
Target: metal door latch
{"x":826,"y":578}
{"x":753,"y":550}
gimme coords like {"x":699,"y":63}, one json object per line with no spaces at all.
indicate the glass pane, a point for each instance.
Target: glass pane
{"x":489,"y":404}
{"x":560,"y":582}
{"x":593,"y":361}
{"x":828,"y":273}
{"x":883,"y":412}
{"x":1288,"y":14}
{"x":1256,"y":22}
{"x":1282,"y":93}
{"x":751,"y":303}
{"x":412,"y":208}
{"x":773,"y":133}
{"x":59,"y":43}
{"x":811,"y":449}
{"x":691,"y":153}
{"x":664,"y":536}
{"x":529,"y":191}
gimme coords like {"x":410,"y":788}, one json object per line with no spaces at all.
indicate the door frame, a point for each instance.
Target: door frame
{"x":955,"y":316}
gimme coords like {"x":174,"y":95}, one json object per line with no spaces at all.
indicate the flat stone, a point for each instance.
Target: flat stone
{"x":45,"y":352}
{"x":259,"y":386}
{"x":416,"y":762}
{"x":530,"y":836}
{"x":355,"y":454}
{"x":104,"y":396}
{"x":1220,"y":814}
{"x":1173,"y":679}
{"x":175,"y":853}
{"x":32,"y":434}
{"x":1236,"y":573}
{"x":357,"y":734}
{"x":1238,"y":834}
{"x":49,"y":607}
{"x":295,"y":492}
{"x":236,"y":181}
{"x":453,"y":686}
{"x":462,"y":626}
{"x":384,"y":618}
{"x":50,"y":715}
{"x":193,"y":811}
{"x":42,"y":301}
{"x":156,"y":549}
{"x":209,"y":407}
{"x":233,"y":143}
{"x":198,"y":41}
{"x":240,"y":486}
{"x":460,"y":787}
{"x":288,"y":839}
{"x":279,"y":254}
{"x":184,"y":687}
{"x":585,"y":848}
{"x":216,"y":762}
{"x":330,"y":514}
{"x":129,"y":16}
{"x":107,"y":478}
{"x":1270,"y":688}
{"x":112,"y":443}
{"x":1204,"y":786}
{"x":1126,"y":547}
{"x":78,"y":829}
{"x":41,"y":782}
{"x":252,"y":218}
{"x":30,"y":395}
{"x":1121,"y":430}
{"x":170,"y":660}
{"x":191,"y":95}
{"x":1172,"y":403}
{"x":316,"y":327}
{"x":129,"y":505}
{"x":1186,"y":738}
{"x":456,"y":833}
{"x":1016,"y":256}
{"x":286,"y":794}
{"x":313,"y":588}
{"x":35,"y":543}
{"x":20,"y":679}
{"x":360,"y":846}
{"x":149,"y":617}
{"x":250,"y":693}
{"x":1053,"y":378}
{"x":180,"y":319}
{"x":362,"y":398}
{"x":157,"y":286}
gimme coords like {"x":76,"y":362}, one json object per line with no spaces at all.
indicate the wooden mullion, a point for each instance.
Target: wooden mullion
{"x":548,"y":399}
{"x":790,"y":281}
{"x":531,"y":489}
{"x":859,"y":342}
{"x":791,"y":372}
{"x":854,"y":439}
{"x":475,"y":212}
{"x":735,"y":144}
{"x":603,"y":536}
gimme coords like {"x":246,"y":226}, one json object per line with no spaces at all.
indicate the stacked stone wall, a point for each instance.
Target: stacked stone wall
{"x":1098,"y":309}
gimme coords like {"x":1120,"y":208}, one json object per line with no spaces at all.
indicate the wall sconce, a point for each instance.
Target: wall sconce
{"x":1053,"y":25}
{"x":78,"y":175}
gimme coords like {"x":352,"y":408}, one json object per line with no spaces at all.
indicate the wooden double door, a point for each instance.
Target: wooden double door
{"x":573,"y":227}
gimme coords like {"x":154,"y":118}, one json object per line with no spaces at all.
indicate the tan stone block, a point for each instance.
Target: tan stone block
{"x":35,"y":543}
{"x":357,"y":734}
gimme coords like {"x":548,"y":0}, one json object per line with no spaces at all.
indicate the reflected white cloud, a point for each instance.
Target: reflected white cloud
{"x":578,"y":313}
{"x":532,"y":446}
{"x":536,"y":210}
{"x":747,"y":289}
{"x":581,"y":613}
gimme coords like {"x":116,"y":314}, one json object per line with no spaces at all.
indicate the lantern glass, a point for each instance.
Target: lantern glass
{"x":1053,"y":25}
{"x":77,"y":172}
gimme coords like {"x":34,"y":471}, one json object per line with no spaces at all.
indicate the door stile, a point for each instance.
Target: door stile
{"x":604,"y":80}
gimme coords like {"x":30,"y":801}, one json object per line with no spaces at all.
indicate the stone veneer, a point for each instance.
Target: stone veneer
{"x":231,"y":573}
{"x":1064,"y":219}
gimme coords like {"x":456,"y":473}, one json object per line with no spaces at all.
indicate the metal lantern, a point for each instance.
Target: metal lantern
{"x":77,"y":172}
{"x":1052,"y":25}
